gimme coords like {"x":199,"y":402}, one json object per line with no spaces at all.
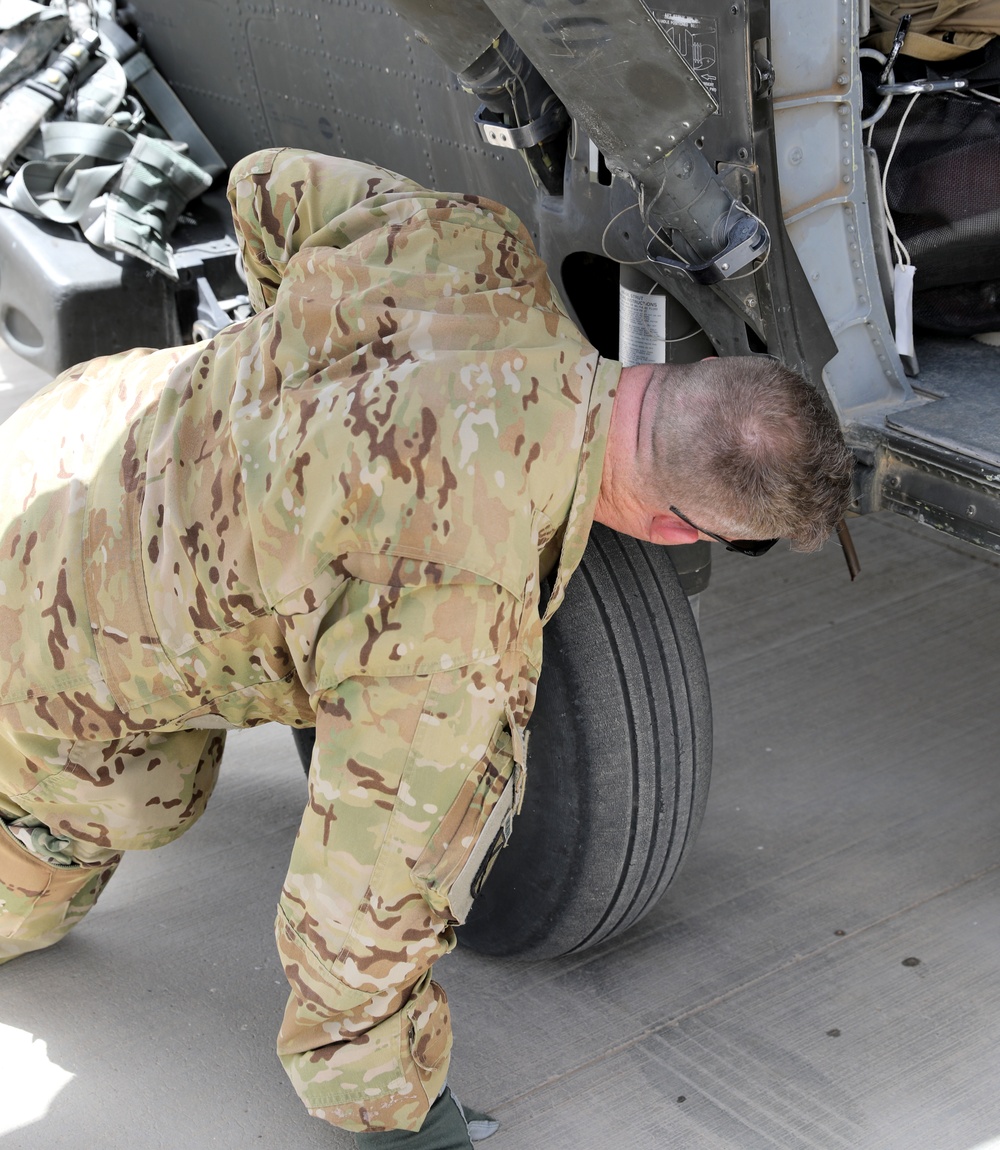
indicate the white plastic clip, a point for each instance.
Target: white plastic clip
{"x":902,"y":276}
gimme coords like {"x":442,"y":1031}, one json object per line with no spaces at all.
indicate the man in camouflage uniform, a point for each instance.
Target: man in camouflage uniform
{"x":337,"y":514}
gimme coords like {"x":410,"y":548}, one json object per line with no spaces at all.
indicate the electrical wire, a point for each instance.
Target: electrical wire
{"x":604,"y":236}
{"x":900,"y":249}
{"x":655,"y":335}
{"x":512,"y":81}
{"x":645,"y":211}
{"x":979,"y":92}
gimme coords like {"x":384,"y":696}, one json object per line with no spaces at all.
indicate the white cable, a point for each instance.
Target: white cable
{"x":655,"y":335}
{"x":980,"y":93}
{"x":902,"y":255}
{"x":604,"y":236}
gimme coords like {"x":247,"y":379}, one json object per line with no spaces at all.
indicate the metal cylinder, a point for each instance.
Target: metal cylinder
{"x":655,"y":328}
{"x":652,"y":326}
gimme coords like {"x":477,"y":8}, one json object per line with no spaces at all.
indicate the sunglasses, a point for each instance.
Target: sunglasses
{"x":751,"y":547}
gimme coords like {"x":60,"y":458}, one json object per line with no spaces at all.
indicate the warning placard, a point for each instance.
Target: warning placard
{"x":697,"y":40}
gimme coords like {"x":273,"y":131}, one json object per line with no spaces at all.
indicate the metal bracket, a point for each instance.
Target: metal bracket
{"x":763,"y":70}
{"x":921,"y":87}
{"x":955,"y":494}
{"x":897,"y":44}
{"x":215,"y":314}
{"x":494,"y":131}
{"x":748,"y":240}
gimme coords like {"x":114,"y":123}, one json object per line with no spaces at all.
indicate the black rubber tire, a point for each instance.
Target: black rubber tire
{"x":618,"y":764}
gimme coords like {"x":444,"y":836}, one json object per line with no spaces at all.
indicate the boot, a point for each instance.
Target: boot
{"x":448,"y":1126}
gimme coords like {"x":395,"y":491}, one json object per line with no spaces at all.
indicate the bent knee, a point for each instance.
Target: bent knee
{"x":43,"y":889}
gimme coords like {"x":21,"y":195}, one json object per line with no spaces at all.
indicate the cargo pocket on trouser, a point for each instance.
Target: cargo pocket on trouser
{"x":403,"y":1063}
{"x":453,"y":867}
{"x":40,"y":901}
{"x":362,"y":1077}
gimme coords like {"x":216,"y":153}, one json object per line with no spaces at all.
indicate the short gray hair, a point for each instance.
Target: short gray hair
{"x":752,"y":442}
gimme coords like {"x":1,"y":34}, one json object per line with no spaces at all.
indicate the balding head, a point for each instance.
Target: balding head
{"x":745,"y":446}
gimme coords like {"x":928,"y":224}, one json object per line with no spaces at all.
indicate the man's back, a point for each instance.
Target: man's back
{"x":408,"y":411}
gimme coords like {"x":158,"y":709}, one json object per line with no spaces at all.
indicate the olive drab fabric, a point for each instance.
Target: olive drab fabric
{"x":939,"y":30}
{"x":334,"y":513}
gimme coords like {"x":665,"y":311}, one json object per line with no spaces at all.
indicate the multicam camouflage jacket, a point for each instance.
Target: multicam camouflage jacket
{"x":337,"y":513}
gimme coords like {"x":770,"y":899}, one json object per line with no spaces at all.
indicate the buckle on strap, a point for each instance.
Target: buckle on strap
{"x":494,"y":131}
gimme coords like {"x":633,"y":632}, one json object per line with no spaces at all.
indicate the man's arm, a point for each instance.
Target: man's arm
{"x":284,"y":200}
{"x":416,"y":690}
{"x":405,"y":774}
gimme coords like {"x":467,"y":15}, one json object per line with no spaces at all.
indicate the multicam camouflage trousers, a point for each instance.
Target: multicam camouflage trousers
{"x":68,"y":809}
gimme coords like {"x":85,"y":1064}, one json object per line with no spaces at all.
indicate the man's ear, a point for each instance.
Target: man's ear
{"x":670,"y":531}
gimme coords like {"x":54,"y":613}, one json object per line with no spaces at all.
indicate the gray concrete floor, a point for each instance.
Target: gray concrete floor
{"x":823,"y":974}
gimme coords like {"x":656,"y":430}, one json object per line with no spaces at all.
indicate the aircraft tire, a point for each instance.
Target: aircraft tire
{"x":618,"y":763}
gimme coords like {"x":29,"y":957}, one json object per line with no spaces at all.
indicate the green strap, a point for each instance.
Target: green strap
{"x":66,"y":139}
{"x":62,"y":186}
{"x":51,"y":190}
{"x":129,"y":204}
{"x":155,"y":183}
